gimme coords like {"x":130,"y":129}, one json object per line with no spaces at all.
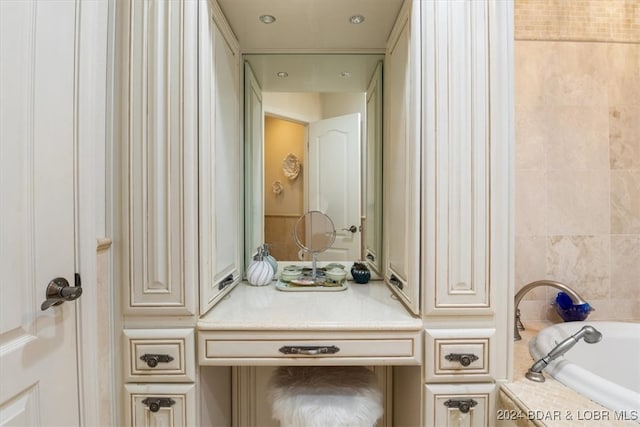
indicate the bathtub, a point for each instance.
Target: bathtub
{"x":607,"y":372}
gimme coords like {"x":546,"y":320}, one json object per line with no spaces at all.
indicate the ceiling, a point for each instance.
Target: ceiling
{"x":311,"y":25}
{"x":314,"y":72}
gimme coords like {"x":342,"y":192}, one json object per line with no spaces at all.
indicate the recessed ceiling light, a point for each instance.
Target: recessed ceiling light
{"x":267,"y":19}
{"x":356,"y":19}
{"x":282,"y":74}
{"x":345,"y":74}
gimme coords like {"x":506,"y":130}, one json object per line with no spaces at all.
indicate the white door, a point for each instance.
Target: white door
{"x":333,"y":178}
{"x":38,"y":365}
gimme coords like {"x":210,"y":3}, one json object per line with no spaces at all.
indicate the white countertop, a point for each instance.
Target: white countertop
{"x":368,"y":307}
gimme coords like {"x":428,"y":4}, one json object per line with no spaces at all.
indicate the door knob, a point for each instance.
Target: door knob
{"x":59,"y":291}
{"x":352,"y":229}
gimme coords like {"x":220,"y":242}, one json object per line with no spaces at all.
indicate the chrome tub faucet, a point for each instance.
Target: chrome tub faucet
{"x":518,"y":326}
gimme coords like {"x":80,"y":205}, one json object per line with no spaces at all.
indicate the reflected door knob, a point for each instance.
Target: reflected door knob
{"x":352,"y":229}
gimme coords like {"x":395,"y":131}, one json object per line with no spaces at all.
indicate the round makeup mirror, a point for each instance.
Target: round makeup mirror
{"x":314,"y":232}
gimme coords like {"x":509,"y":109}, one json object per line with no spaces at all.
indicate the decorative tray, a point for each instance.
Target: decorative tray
{"x":310,"y":287}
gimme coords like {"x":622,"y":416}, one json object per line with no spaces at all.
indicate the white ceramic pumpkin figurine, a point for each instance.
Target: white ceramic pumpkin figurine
{"x":260,"y":272}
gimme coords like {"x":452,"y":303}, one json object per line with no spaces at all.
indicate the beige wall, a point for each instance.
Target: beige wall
{"x":339,"y":104}
{"x":301,"y":106}
{"x":282,"y":137}
{"x":578,"y":154}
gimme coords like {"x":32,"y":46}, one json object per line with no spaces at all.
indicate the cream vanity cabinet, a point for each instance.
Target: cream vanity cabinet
{"x":466,"y":253}
{"x":220,"y":157}
{"x":401,"y":157}
{"x":157,"y":155}
{"x":180,"y":152}
{"x":176,"y":159}
{"x":446,"y":213}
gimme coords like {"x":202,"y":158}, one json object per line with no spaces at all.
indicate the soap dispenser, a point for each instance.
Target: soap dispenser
{"x":259,"y":272}
{"x":269,"y":258}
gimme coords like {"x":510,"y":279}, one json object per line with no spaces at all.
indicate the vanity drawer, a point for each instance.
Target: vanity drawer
{"x":454,"y":405}
{"x":459,"y":355}
{"x":159,"y":355}
{"x":309,"y":348}
{"x":160,"y":405}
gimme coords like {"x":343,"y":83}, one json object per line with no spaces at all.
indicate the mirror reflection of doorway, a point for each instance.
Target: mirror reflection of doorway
{"x":329,"y":182}
{"x":333,"y":181}
{"x":283,"y":205}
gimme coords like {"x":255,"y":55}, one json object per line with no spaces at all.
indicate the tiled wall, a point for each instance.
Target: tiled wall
{"x":586,"y":20}
{"x":578,"y":159}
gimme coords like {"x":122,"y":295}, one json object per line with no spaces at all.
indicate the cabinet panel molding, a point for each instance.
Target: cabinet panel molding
{"x":159,"y":102}
{"x":466,"y":157}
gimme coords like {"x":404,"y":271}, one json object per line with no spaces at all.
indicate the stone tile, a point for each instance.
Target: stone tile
{"x":622,"y":65}
{"x":578,"y":138}
{"x":531,"y":203}
{"x":624,"y":137}
{"x":578,"y":202}
{"x":532,"y":132}
{"x":577,"y":20}
{"x":625,"y":201}
{"x":581,"y":262}
{"x":624,"y":310}
{"x":625,"y":267}
{"x":577,"y":115}
{"x":534,"y":310}
{"x":530,"y":264}
{"x":575,"y":75}
{"x":529,"y":78}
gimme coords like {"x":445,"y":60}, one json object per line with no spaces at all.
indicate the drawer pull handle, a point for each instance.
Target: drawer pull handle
{"x":155,"y":403}
{"x":225,"y":282}
{"x":465,"y":359}
{"x":153,"y":359}
{"x":312,"y":350}
{"x":396,"y":282}
{"x":371,"y":257}
{"x":463,"y":405}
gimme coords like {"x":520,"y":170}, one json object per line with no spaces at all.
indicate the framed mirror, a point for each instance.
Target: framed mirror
{"x":313,"y":143}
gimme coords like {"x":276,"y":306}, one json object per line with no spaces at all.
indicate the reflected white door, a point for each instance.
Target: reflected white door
{"x":333,"y":178}
{"x":38,"y":365}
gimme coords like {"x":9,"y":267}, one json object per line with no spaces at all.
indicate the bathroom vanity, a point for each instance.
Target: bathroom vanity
{"x":435,"y":324}
{"x":363,"y":325}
